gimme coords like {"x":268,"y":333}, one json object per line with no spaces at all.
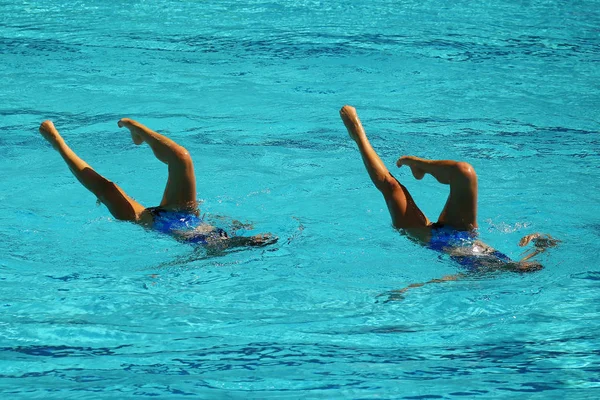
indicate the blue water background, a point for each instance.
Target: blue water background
{"x":95,"y":308}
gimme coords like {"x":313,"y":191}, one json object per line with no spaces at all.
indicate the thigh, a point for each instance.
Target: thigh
{"x":121,"y":206}
{"x":180,"y":191}
{"x":404,"y":211}
{"x":460,"y":211}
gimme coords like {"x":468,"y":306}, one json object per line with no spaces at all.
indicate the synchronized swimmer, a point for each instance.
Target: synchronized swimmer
{"x":455,"y":232}
{"x":177,"y":214}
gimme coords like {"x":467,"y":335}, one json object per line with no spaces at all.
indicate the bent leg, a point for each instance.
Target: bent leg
{"x":180,"y":191}
{"x":120,"y":205}
{"x":460,"y":211}
{"x":403,"y":210}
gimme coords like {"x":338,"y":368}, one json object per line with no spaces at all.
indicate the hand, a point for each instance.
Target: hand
{"x":541,"y":241}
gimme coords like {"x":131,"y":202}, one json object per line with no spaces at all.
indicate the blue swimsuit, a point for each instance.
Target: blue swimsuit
{"x":171,"y":222}
{"x":444,"y":238}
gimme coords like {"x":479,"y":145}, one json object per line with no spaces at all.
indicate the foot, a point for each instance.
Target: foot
{"x":129,"y":124}
{"x":352,"y":123}
{"x":50,"y":133}
{"x":413,"y":163}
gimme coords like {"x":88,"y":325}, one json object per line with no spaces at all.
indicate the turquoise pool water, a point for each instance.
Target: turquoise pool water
{"x":95,"y":308}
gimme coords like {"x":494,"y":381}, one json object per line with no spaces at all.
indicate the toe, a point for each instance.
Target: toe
{"x":46,"y":125}
{"x":123,"y":122}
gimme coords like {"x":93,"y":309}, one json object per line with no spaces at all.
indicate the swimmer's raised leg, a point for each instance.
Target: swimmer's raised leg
{"x":118,"y":203}
{"x":180,"y":191}
{"x":460,"y":211}
{"x":403,"y":210}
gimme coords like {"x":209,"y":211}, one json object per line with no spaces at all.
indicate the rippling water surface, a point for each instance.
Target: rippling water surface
{"x":95,"y":308}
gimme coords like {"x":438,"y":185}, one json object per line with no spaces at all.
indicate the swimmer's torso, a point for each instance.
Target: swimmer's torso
{"x":184,"y":225}
{"x":464,"y":248}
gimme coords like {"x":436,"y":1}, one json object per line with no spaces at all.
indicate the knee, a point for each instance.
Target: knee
{"x":182,"y":156}
{"x":465,"y":172}
{"x":389,"y":185}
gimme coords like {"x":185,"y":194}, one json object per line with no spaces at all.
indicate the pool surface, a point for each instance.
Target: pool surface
{"x":94,"y":308}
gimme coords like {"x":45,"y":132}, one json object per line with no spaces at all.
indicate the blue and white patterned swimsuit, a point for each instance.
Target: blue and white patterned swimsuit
{"x":463,"y":248}
{"x":178,"y":223}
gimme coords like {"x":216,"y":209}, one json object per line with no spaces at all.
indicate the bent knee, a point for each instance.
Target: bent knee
{"x":182,"y":156}
{"x":390,"y":185}
{"x":466,"y":172}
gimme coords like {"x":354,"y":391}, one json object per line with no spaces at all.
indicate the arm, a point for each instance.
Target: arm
{"x":399,"y":294}
{"x":541,"y":241}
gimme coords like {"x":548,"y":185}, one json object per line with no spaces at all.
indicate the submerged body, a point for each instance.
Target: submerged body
{"x":185,"y":226}
{"x":472,"y":254}
{"x":464,"y":248}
